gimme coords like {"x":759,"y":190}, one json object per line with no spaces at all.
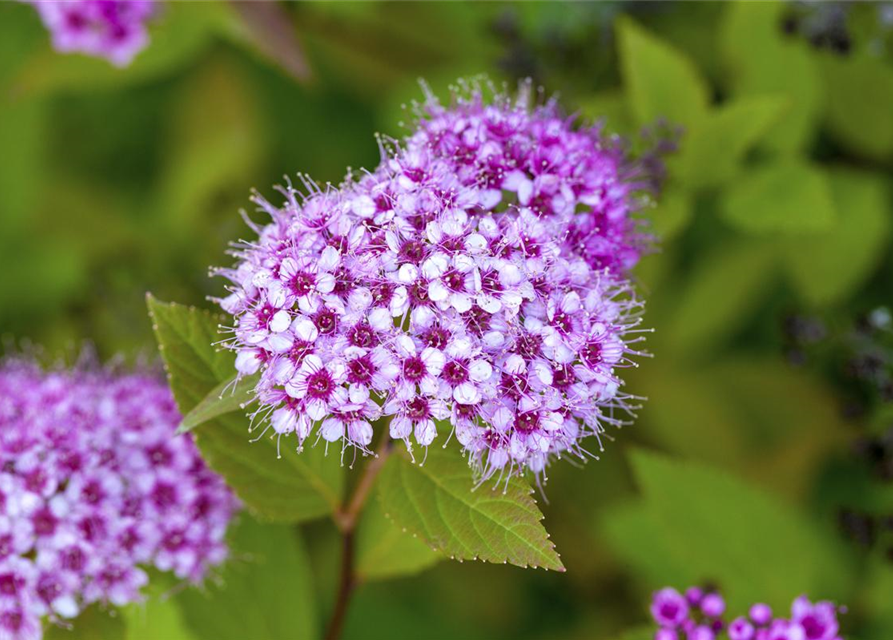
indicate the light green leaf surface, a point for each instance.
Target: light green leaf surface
{"x":438,"y":502}
{"x":226,"y":397}
{"x":292,"y":488}
{"x":725,"y":285}
{"x":785,"y":196}
{"x":660,"y":82}
{"x":829,"y":267}
{"x":385,"y":551}
{"x":712,"y":153}
{"x":93,"y":623}
{"x":715,"y":527}
{"x":859,"y":93}
{"x":265,"y":591}
{"x":760,"y":60}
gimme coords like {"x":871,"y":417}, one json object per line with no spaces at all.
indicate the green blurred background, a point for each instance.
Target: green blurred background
{"x":776,"y":214}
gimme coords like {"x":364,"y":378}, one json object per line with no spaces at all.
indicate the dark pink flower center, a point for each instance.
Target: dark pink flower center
{"x":360,"y":370}
{"x":414,"y":369}
{"x":490,"y":282}
{"x":9,"y":584}
{"x":418,"y":409}
{"x":320,"y":384}
{"x":563,"y":377}
{"x":303,"y":283}
{"x":436,"y":337}
{"x":44,"y":522}
{"x":562,"y":322}
{"x":412,"y":251}
{"x":455,"y":372}
{"x":326,"y":321}
{"x":592,"y":353}
{"x":363,"y":336}
{"x":454,"y":280}
{"x":529,"y":345}
{"x":527,"y":421}
{"x":418,"y":293}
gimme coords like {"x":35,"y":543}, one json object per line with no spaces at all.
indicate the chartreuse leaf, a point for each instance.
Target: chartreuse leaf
{"x":785,"y":196}
{"x":384,"y":550}
{"x":438,"y":502}
{"x":660,"y":82}
{"x":159,"y":616}
{"x":265,"y":591}
{"x":760,"y":60}
{"x":715,"y":527}
{"x":672,"y":213}
{"x":859,"y":92}
{"x":291,"y":489}
{"x":830,"y":266}
{"x":878,"y":596}
{"x":90,"y":624}
{"x":724,"y":286}
{"x":639,"y":633}
{"x":226,"y":397}
{"x":711,"y":154}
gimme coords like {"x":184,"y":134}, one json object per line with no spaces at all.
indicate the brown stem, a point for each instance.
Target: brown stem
{"x":345,"y":588}
{"x":346,"y":521}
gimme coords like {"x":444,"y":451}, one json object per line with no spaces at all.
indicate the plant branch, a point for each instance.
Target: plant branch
{"x":346,"y":521}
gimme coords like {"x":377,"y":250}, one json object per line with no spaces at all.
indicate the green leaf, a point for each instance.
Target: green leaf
{"x":660,"y":82}
{"x":159,"y":616}
{"x":226,"y":397}
{"x":715,"y":527}
{"x":638,"y":633}
{"x":609,"y":107}
{"x":292,"y":488}
{"x":672,"y":213}
{"x":438,"y":502}
{"x":725,"y":285}
{"x":264,"y":593}
{"x":859,"y":92}
{"x":385,"y":551}
{"x":759,"y":60}
{"x":829,"y":267}
{"x":91,"y":624}
{"x":712,"y":154}
{"x":780,"y":197}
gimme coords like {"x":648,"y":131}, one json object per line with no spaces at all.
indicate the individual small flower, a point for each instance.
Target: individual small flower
{"x":110,"y":29}
{"x":476,"y":282}
{"x":698,"y":615}
{"x":94,"y":490}
{"x":668,"y":608}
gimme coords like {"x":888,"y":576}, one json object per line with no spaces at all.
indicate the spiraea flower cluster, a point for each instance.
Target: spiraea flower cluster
{"x":698,"y":615}
{"x":476,"y":283}
{"x":94,"y":486}
{"x":111,"y":29}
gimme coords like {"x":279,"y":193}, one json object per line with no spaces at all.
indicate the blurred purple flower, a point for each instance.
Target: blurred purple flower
{"x":94,"y":486}
{"x":699,"y":616}
{"x":111,"y":29}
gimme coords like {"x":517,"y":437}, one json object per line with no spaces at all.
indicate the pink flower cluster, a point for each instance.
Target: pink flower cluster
{"x":92,"y":485}
{"x":111,"y":29}
{"x":698,"y":616}
{"x":475,"y":283}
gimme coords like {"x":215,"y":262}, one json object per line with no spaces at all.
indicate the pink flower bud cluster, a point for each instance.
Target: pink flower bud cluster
{"x":111,"y":29}
{"x":476,"y":283}
{"x":93,"y":487}
{"x":697,"y":615}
